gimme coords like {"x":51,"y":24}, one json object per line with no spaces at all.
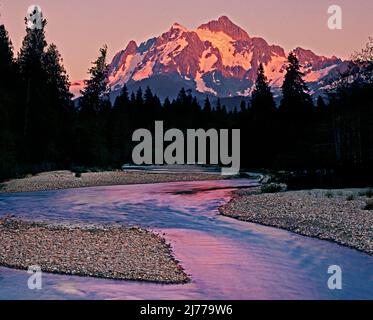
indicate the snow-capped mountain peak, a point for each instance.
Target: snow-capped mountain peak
{"x":218,"y":58}
{"x":178,"y":26}
{"x":225,"y":25}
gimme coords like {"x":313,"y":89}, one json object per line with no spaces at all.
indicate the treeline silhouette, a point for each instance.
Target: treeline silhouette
{"x":41,"y":128}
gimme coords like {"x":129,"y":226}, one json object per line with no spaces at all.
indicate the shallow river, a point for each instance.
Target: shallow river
{"x":226,"y":259}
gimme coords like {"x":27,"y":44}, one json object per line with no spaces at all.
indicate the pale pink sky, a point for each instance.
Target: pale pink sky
{"x":80,"y":27}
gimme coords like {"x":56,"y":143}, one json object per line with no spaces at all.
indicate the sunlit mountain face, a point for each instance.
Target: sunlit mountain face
{"x":218,"y":58}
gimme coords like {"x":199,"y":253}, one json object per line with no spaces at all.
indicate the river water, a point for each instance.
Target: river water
{"x":226,"y":258}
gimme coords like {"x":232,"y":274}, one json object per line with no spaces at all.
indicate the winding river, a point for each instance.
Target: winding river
{"x":226,"y":258}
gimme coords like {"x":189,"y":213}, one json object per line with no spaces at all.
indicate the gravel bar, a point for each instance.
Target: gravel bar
{"x":66,"y":180}
{"x":321,"y":214}
{"x":103,"y":252}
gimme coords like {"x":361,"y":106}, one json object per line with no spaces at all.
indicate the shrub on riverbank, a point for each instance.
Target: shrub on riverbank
{"x":369,"y":205}
{"x":329,"y":194}
{"x":369,"y":193}
{"x":351,"y":197}
{"x":273,"y":188}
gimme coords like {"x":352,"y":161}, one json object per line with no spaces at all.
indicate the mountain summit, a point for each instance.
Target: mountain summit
{"x":218,"y":58}
{"x":225,"y":25}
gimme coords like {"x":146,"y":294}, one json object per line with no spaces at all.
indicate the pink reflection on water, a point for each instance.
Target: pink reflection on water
{"x":226,"y":258}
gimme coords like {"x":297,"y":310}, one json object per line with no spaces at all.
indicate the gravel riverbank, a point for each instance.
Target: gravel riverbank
{"x":102,"y":251}
{"x":67,"y":180}
{"x":337,"y":215}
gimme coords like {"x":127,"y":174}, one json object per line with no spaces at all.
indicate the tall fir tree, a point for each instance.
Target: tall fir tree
{"x":260,"y":130}
{"x":243,"y":107}
{"x":321,"y":105}
{"x":152,"y":107}
{"x":7,"y":63}
{"x":207,"y":113}
{"x":148,"y":97}
{"x":295,"y":93}
{"x":120,"y":129}
{"x":94,"y":112}
{"x":32,"y":51}
{"x":35,"y":124}
{"x":96,"y":92}
{"x":56,"y":75}
{"x":218,"y":106}
{"x":139,"y":98}
{"x":296,"y":115}
{"x":8,"y":103}
{"x":60,"y":108}
{"x":207,"y":106}
{"x":262,"y":101}
{"x":122,"y":101}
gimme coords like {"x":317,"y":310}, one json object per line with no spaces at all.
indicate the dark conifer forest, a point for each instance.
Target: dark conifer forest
{"x":42,"y":128}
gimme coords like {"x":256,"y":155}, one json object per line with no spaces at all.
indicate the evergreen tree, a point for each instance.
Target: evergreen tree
{"x":184,"y":113}
{"x":94,"y":111}
{"x":351,"y":106}
{"x":32,"y":51}
{"x":260,"y":131}
{"x":321,"y":105}
{"x":120,"y":129}
{"x":166,"y":112}
{"x":295,"y":96}
{"x":218,"y":106}
{"x":296,"y":115}
{"x":262,"y":101}
{"x":243,"y":106}
{"x":59,"y":108}
{"x":122,"y":102}
{"x":224,"y":111}
{"x":167,"y":104}
{"x":207,"y":106}
{"x":133,"y":98}
{"x":139,"y":98}
{"x":182,"y":98}
{"x":56,"y":75}
{"x":207,"y":114}
{"x":220,"y":117}
{"x":35,"y":111}
{"x":7,"y":63}
{"x":148,"y":97}
{"x":150,"y":108}
{"x":95,"y":94}
{"x":8,"y":101}
{"x":196,"y":112}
